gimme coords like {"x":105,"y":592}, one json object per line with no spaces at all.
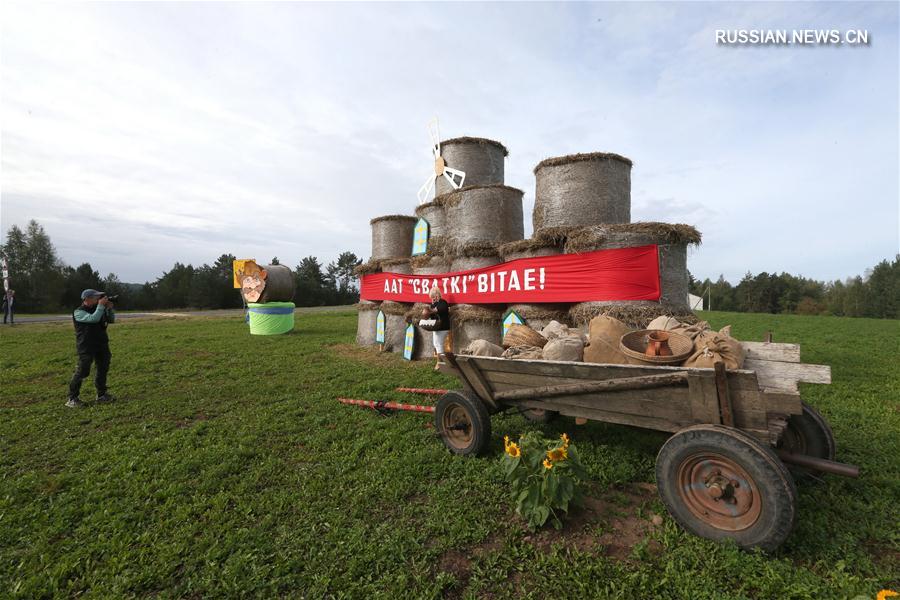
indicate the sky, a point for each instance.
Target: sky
{"x":141,"y":134}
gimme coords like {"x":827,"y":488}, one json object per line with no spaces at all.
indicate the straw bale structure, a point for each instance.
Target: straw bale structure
{"x":582,"y":189}
{"x":394,"y":325}
{"x":672,"y":240}
{"x":637,"y":315}
{"x":470,"y":322}
{"x":529,"y":248}
{"x":481,"y":159}
{"x":422,"y":347}
{"x":396,"y":265}
{"x":367,"y":314}
{"x":429,"y":265}
{"x":392,"y":236}
{"x":474,"y":255}
{"x":537,"y":316}
{"x":433,"y":212}
{"x":491,"y":214}
{"x":279,"y":285}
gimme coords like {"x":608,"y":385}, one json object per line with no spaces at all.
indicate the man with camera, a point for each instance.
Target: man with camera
{"x":92,"y":344}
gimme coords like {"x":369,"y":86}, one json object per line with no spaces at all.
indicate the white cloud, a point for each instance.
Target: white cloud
{"x":181,"y":131}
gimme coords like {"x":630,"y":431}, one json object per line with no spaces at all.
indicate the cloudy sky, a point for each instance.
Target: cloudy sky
{"x":140,"y":134}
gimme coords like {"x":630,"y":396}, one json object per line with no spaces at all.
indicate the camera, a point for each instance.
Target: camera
{"x":113,"y":298}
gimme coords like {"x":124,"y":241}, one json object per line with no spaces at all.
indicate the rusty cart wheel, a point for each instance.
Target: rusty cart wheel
{"x":463,"y":423}
{"x":810,"y":434}
{"x":539,"y":415}
{"x":720,"y":483}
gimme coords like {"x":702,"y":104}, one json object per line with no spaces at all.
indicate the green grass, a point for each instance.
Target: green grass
{"x":230,"y":470}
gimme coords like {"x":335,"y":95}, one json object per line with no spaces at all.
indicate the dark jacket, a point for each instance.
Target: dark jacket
{"x":90,"y":328}
{"x":443,"y":313}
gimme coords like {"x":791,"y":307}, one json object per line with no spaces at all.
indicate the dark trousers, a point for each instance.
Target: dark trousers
{"x":101,"y":358}
{"x":10,"y":312}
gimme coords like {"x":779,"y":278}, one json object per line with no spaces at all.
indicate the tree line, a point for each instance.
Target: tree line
{"x":875,"y":294}
{"x":44,"y":283}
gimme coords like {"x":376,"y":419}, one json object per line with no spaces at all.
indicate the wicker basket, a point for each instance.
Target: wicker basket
{"x":634,"y":344}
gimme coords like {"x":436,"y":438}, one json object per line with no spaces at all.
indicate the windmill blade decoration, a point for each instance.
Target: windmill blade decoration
{"x":454,"y":176}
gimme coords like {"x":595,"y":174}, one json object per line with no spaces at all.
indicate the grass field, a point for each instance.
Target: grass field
{"x":228,"y":469}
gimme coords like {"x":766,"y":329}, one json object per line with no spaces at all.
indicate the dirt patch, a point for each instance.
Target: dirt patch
{"x":614,"y":521}
{"x":457,"y":564}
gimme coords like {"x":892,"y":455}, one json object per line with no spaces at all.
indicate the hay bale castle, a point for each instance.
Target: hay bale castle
{"x":582,"y":204}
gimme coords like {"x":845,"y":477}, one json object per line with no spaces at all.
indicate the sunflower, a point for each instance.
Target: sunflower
{"x":886,"y":594}
{"x":565,"y":440}
{"x":505,"y":442}
{"x":513,"y":450}
{"x":558,"y":454}
{"x":548,"y":464}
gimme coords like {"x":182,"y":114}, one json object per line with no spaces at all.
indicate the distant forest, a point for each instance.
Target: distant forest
{"x":43,"y":283}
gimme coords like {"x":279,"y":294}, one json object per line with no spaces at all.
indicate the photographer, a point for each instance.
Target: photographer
{"x":92,"y":344}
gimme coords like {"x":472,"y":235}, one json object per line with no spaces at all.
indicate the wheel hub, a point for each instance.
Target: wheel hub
{"x":457,"y":426}
{"x":439,"y":166}
{"x":718,"y":491}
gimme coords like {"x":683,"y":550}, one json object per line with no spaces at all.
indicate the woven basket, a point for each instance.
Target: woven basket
{"x":634,"y":344}
{"x":523,"y":335}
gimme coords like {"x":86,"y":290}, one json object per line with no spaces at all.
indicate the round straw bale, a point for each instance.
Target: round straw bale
{"x":672,"y":240}
{"x":635,"y":314}
{"x":582,"y":189}
{"x":392,"y":236}
{"x":470,"y":322}
{"x":367,"y":268}
{"x":429,"y":265}
{"x":537,"y":316}
{"x":433,"y":212}
{"x":394,"y":325}
{"x":423,"y":348}
{"x":482,"y":161}
{"x":366,"y":317}
{"x":474,"y":255}
{"x":485,"y":214}
{"x":396,"y":265}
{"x":529,"y":248}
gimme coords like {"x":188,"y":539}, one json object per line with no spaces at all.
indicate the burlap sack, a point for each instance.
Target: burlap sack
{"x":711,"y":347}
{"x":672,"y":324}
{"x":518,"y":352}
{"x":554,"y":329}
{"x":564,"y":348}
{"x":664,"y":323}
{"x":483,"y":348}
{"x":523,"y":335}
{"x":603,"y":342}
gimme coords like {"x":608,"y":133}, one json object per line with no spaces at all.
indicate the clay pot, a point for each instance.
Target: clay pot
{"x":658,"y":344}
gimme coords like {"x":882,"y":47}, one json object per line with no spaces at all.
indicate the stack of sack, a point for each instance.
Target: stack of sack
{"x":709,"y":348}
{"x":554,"y":342}
{"x":603,"y":344}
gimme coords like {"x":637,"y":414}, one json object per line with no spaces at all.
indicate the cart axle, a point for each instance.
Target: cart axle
{"x":379,"y":405}
{"x":819,"y":464}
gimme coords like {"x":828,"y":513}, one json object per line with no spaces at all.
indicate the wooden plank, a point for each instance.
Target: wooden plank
{"x":673,"y":406}
{"x":477,"y":380}
{"x":723,"y":395}
{"x":604,"y":416}
{"x":748,"y":409}
{"x":640,"y":382}
{"x":770,"y":351}
{"x":783,"y":376}
{"x":576,"y":370}
{"x":782,"y":402}
{"x":703,"y":399}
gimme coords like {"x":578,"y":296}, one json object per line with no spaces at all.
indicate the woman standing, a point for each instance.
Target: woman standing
{"x":441,"y":311}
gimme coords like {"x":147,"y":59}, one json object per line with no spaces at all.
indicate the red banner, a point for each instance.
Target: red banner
{"x":620,"y":274}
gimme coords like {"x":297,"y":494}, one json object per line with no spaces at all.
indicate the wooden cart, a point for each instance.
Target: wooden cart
{"x":722,"y":474}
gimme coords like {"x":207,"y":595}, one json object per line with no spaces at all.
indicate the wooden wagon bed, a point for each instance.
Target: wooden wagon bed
{"x":760,"y":397}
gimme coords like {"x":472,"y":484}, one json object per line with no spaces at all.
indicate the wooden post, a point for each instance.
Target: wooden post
{"x":724,"y":396}
{"x":768,"y":338}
